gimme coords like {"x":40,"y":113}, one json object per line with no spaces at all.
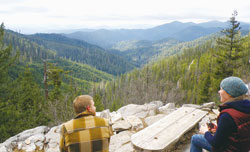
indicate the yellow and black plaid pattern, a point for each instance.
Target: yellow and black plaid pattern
{"x":85,"y":133}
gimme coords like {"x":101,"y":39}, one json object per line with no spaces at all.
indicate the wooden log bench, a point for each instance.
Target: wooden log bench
{"x":164,"y":133}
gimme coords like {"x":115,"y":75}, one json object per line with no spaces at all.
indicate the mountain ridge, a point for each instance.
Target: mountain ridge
{"x":107,"y":38}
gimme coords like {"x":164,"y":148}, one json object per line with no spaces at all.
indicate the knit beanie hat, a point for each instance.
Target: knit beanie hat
{"x":234,"y":86}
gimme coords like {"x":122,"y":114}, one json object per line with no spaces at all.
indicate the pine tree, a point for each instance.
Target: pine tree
{"x":25,"y":107}
{"x":229,"y":49}
{"x":55,"y":76}
{"x":30,"y":103}
{"x":203,"y":95}
{"x":6,"y":60}
{"x":7,"y":112}
{"x":98,"y":103}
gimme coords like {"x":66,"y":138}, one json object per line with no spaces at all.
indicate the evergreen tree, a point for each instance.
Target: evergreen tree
{"x":7,"y":111}
{"x":204,"y":85}
{"x":55,"y":76}
{"x":6,"y":60}
{"x":24,"y":108}
{"x":229,"y":49}
{"x":98,"y":103}
{"x":30,"y":105}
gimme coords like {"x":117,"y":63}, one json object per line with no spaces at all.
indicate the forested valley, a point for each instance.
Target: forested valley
{"x":190,"y":76}
{"x":41,"y":74}
{"x":37,"y":86}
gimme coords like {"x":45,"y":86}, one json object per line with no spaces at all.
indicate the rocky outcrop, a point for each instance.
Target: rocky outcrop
{"x":28,"y":140}
{"x":125,"y":122}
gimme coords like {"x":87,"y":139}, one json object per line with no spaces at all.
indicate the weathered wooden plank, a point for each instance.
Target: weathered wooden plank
{"x":162,"y":134}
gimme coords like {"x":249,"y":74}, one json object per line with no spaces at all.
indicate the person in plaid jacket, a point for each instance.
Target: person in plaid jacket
{"x":86,"y":132}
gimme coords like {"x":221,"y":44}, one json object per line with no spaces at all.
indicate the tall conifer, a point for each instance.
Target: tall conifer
{"x":229,"y":49}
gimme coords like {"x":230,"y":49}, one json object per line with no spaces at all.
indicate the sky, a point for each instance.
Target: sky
{"x":33,"y":16}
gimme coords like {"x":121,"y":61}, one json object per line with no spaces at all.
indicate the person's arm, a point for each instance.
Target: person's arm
{"x":225,"y":128}
{"x":62,"y":146}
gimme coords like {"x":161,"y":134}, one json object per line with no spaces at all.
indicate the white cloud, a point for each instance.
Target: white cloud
{"x":41,"y":15}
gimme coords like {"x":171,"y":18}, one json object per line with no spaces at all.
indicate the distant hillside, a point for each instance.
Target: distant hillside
{"x":34,"y":54}
{"x":82,"y":52}
{"x":37,"y":86}
{"x":189,"y":76}
{"x":181,"y":31}
{"x":142,"y":52}
{"x":194,"y":32}
{"x":108,"y":38}
{"x":150,"y":51}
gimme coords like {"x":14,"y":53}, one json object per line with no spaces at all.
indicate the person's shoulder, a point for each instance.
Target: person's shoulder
{"x":100,"y":119}
{"x":67,"y":125}
{"x":68,"y":122}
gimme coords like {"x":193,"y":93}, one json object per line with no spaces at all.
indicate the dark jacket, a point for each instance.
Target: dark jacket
{"x":233,"y":132}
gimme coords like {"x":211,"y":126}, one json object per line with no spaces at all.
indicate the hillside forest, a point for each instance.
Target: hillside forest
{"x":191,"y":76}
{"x":41,"y":74}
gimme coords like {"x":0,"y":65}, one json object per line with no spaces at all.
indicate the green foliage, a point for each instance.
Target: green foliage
{"x":23,"y":107}
{"x":30,"y":106}
{"x":23,"y":102}
{"x":6,"y":60}
{"x":192,"y":76}
{"x":116,"y":105}
{"x":98,"y":103}
{"x":82,"y":52}
{"x":229,"y":50}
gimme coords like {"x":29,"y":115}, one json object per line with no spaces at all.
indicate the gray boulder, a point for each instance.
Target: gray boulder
{"x":140,"y":111}
{"x":135,"y":122}
{"x":52,"y":139}
{"x":121,"y":142}
{"x":150,"y":120}
{"x":121,"y":125}
{"x":167,"y":109}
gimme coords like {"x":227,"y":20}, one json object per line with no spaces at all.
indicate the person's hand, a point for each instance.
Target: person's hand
{"x":203,"y":129}
{"x":212,"y":127}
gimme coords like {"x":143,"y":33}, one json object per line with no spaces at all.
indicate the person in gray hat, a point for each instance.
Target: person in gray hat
{"x":233,"y":123}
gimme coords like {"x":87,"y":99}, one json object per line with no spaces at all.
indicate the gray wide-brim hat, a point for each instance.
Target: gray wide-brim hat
{"x":234,"y":86}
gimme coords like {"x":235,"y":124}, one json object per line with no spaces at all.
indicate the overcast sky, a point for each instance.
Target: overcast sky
{"x":30,"y":16}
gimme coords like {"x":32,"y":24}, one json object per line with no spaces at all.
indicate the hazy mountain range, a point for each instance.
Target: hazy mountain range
{"x":119,"y":51}
{"x":178,"y":30}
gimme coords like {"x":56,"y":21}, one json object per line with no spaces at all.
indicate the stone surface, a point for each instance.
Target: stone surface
{"x":121,"y":125}
{"x":140,"y":111}
{"x":52,"y":139}
{"x":19,"y":145}
{"x":38,"y":130}
{"x":40,"y":145}
{"x":3,"y":149}
{"x":191,"y":105}
{"x":212,"y":116}
{"x":13,"y":142}
{"x":29,"y":148}
{"x":157,"y":103}
{"x":126,"y":121}
{"x":167,"y":109}
{"x":209,"y":105}
{"x":105,"y":114}
{"x":125,"y":148}
{"x":115,"y":116}
{"x":135,"y":122}
{"x":216,"y":111}
{"x":151,"y":120}
{"x":119,"y":140}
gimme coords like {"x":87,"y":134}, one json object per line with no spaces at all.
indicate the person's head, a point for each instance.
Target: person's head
{"x":83,"y":103}
{"x":232,"y":87}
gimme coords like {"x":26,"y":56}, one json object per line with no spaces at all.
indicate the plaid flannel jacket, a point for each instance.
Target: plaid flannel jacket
{"x":85,"y":133}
